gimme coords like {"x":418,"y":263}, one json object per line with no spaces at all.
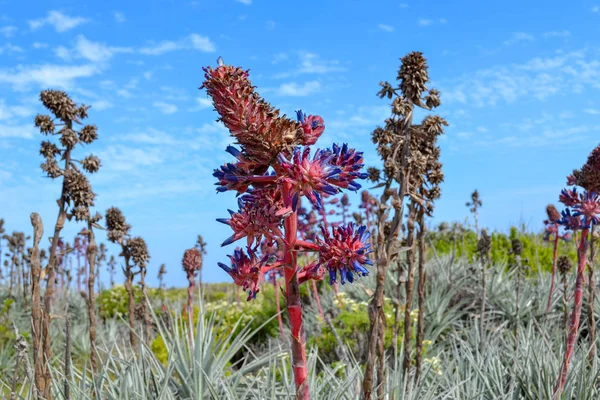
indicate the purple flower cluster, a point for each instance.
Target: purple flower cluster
{"x":327,"y":172}
{"x":245,"y":270}
{"x":583,"y":209}
{"x":345,"y":251}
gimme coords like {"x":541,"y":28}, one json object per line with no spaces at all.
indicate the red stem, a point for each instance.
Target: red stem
{"x":294,"y":304}
{"x":554,"y":253}
{"x":304,"y":245}
{"x":279,"y":319}
{"x":575,"y":314}
{"x":318,"y":299}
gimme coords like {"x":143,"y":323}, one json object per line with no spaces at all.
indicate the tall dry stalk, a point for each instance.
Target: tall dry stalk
{"x":421,"y":293}
{"x":90,"y":297}
{"x":564,"y":265}
{"x":517,"y":250}
{"x":75,"y":197}
{"x":394,"y":146}
{"x":474,"y":206}
{"x":135,"y":254}
{"x":484,"y":246}
{"x":409,"y":284}
{"x":36,"y":299}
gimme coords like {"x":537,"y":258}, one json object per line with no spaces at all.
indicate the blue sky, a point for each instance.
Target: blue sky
{"x":519,"y":83}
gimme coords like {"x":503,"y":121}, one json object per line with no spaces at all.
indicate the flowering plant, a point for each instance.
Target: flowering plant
{"x":582,"y":212}
{"x":274,"y":168}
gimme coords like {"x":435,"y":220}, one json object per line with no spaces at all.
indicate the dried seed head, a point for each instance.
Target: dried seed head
{"x":139,"y":251}
{"x":97,"y":217}
{"x":88,"y":134}
{"x":374,"y":174}
{"x":432,"y":100}
{"x":588,"y":177}
{"x":78,"y":188}
{"x":68,"y":137}
{"x":91,"y":164}
{"x":433,"y":125}
{"x":564,"y":264}
{"x":162,"y":271}
{"x":401,"y":107}
{"x":82,"y":112}
{"x":116,"y":225}
{"x":345,"y":200}
{"x":51,"y":168}
{"x":60,"y":104}
{"x":192,"y":261}
{"x":517,"y":247}
{"x":81,"y":213}
{"x":49,"y":150}
{"x":413,"y":76}
{"x":44,"y":122}
{"x":358,"y":218}
{"x":386,"y":90}
{"x":484,"y":245}
{"x":553,"y":214}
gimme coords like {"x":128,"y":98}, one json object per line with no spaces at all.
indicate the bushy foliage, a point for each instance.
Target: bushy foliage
{"x":537,"y":254}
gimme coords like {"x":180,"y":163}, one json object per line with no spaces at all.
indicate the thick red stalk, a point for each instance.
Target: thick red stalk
{"x":294,"y":304}
{"x":575,"y":314}
{"x":554,"y":254}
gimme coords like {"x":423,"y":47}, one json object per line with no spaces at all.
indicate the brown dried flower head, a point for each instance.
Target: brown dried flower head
{"x":68,"y":137}
{"x":88,"y":134}
{"x":60,"y":104}
{"x":51,"y":168}
{"x":564,"y":264}
{"x":45,"y":123}
{"x":588,"y":177}
{"x":484,"y":245}
{"x":81,"y":213}
{"x":517,"y":247}
{"x":192,"y":261}
{"x":49,"y":149}
{"x":78,"y":188}
{"x":139,"y":251}
{"x":553,"y":214}
{"x":432,"y":100}
{"x":91,"y":164}
{"x":413,"y":76}
{"x":116,"y":225}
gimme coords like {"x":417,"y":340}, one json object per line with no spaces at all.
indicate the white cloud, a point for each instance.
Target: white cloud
{"x":386,"y":28}
{"x":193,"y":41}
{"x":8,"y":112}
{"x":8,"y":31}
{"x":25,"y":131}
{"x":119,"y":17}
{"x":595,"y":9}
{"x":202,"y":104}
{"x":202,"y":43}
{"x":564,"y":33}
{"x":518,"y":37}
{"x":39,"y":45}
{"x":123,"y":158}
{"x":96,"y":51}
{"x":47,"y":75}
{"x":310,"y":63}
{"x":148,"y":75}
{"x":592,"y":111}
{"x":246,"y":2}
{"x":425,"y":22}
{"x":296,"y":90}
{"x":165,"y":108}
{"x":10,"y":48}
{"x":101,"y":104}
{"x":58,"y":20}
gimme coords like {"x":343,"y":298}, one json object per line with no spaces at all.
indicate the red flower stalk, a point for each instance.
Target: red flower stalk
{"x":273,"y":173}
{"x":552,"y":233}
{"x":584,"y":213}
